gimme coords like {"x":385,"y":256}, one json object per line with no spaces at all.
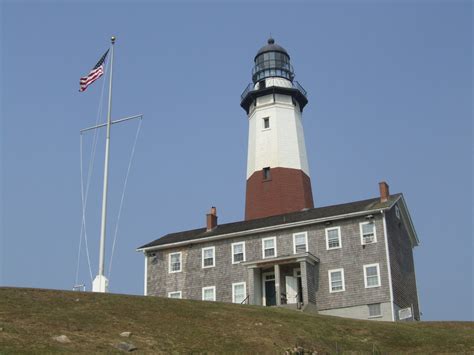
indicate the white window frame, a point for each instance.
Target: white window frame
{"x":178,"y":292}
{"x":274,"y":247}
{"x":377,"y":315}
{"x":213,"y":288}
{"x":233,"y":291}
{"x":232,"y":252}
{"x":362,"y":232}
{"x":342,"y":279}
{"x":305,"y":238}
{"x":213,"y":257}
{"x":327,"y":239}
{"x":378,"y":275}
{"x":170,"y":270}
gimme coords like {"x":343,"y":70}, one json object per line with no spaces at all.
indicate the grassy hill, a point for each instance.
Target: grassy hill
{"x":30,"y":318}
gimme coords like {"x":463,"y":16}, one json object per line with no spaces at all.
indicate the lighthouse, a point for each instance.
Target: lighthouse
{"x":278,"y":179}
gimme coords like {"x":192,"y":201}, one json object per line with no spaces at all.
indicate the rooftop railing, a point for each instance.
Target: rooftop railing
{"x":250,"y":87}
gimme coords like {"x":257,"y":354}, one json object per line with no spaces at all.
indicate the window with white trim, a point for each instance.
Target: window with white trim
{"x":238,"y":252}
{"x":208,"y":257}
{"x":397,"y":211}
{"x":372,"y":275}
{"x":209,"y":293}
{"x":175,"y":262}
{"x":333,"y":238}
{"x":336,"y":280}
{"x":238,"y":292}
{"x":269,"y":247}
{"x":300,"y":242}
{"x":175,"y":294}
{"x":367,"y":232}
{"x":375,"y":310}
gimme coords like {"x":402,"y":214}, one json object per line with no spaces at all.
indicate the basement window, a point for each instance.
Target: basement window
{"x":266,"y":174}
{"x":375,"y":310}
{"x":176,"y":294}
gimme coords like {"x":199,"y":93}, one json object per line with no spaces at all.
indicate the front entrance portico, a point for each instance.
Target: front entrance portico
{"x":283,"y":280}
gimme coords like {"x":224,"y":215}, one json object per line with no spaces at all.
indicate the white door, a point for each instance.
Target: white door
{"x":291,"y":289}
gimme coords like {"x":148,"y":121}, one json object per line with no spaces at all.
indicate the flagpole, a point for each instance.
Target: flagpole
{"x":100,"y":283}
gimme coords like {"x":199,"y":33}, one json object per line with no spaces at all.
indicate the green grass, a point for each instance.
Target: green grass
{"x":93,"y":322}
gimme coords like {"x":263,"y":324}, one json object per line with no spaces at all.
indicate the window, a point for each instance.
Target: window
{"x":175,"y":262}
{"x":238,"y":252}
{"x":266,"y":122}
{"x":208,"y":257}
{"x":209,"y":293}
{"x":397,"y":211}
{"x":333,"y":238}
{"x":371,"y":275}
{"x":336,"y":280}
{"x":300,"y":242}
{"x":269,"y":247}
{"x":261,"y":84}
{"x":266,"y":174}
{"x":375,"y":310}
{"x":238,"y":292}
{"x":367,"y":233}
{"x":176,"y":294}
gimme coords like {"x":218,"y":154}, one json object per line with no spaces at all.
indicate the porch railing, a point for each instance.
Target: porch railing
{"x":246,"y":300}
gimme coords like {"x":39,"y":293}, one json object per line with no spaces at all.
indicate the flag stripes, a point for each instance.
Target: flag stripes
{"x":94,"y":74}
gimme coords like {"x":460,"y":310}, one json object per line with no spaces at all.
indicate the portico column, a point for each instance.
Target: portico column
{"x":254,"y":287}
{"x":304,"y":281}
{"x":277,"y":285}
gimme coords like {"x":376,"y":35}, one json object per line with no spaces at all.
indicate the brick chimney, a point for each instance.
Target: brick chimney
{"x":211,"y":219}
{"x":384,"y":191}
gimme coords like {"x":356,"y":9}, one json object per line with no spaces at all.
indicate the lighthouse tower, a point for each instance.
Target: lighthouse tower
{"x":278,"y":179}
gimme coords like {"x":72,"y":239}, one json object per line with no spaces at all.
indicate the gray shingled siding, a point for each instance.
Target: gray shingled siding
{"x":402,"y":265}
{"x":352,"y":256}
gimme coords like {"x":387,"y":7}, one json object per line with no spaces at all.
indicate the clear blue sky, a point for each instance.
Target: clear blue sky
{"x":390,"y":90}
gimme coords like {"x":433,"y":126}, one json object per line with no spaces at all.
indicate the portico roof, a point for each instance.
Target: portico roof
{"x":285,"y":259}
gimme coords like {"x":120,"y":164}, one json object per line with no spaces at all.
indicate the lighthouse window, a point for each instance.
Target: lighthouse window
{"x":266,"y":122}
{"x":266,"y":174}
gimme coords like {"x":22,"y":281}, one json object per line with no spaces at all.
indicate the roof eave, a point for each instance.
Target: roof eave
{"x":264,"y":229}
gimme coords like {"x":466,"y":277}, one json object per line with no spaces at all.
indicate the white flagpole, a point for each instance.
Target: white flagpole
{"x":101,"y":283}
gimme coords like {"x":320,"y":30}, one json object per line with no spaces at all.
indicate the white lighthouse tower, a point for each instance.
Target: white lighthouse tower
{"x":278,"y":179}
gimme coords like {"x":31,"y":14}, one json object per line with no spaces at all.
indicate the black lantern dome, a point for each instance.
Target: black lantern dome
{"x":272,"y":60}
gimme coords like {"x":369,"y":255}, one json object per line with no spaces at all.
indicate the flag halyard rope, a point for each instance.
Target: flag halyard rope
{"x":132,"y":154}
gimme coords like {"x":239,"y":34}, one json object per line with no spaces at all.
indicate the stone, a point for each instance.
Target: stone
{"x":125,"y":346}
{"x":126,"y":334}
{"x":1,"y":329}
{"x":62,"y":339}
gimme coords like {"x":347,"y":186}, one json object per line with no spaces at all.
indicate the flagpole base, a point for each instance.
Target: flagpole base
{"x":100,"y":284}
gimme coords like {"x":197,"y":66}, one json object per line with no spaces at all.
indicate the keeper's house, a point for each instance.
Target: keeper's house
{"x":351,"y":260}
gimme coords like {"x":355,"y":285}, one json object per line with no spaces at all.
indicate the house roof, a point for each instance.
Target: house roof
{"x":280,"y":220}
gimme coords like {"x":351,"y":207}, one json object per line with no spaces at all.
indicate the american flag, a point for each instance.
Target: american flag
{"x":94,"y":74}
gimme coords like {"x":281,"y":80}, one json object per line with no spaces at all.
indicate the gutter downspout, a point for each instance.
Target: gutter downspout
{"x":388,"y":265}
{"x":145,"y":281}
